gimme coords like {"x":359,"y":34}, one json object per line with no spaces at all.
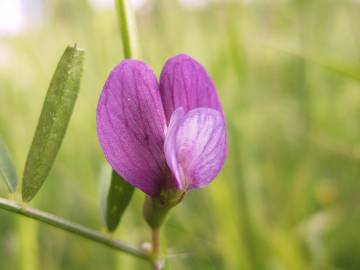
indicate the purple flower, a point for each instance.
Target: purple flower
{"x":165,"y":135}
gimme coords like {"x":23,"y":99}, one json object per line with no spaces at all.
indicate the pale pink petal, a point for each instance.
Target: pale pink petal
{"x":195,"y":146}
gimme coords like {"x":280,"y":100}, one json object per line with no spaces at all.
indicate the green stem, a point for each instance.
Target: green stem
{"x":72,"y":227}
{"x":128,"y":30}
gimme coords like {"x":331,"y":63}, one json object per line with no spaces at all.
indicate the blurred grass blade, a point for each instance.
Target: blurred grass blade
{"x":55,"y":115}
{"x":115,"y":196}
{"x":104,"y":185}
{"x":128,"y":29}
{"x":341,"y":68}
{"x":7,"y":168}
{"x":351,"y":72}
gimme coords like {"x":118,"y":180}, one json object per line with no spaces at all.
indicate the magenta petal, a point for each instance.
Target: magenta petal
{"x":185,"y":83}
{"x":131,"y":126}
{"x":195,"y":146}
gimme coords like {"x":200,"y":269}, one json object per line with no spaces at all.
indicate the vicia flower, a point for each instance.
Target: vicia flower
{"x":162,"y":136}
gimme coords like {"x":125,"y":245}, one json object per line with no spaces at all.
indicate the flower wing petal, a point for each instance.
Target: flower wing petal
{"x":171,"y":144}
{"x":195,"y":146}
{"x":131,"y":125}
{"x":185,"y":83}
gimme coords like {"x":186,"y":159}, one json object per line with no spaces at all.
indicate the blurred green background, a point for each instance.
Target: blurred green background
{"x":288,"y":74}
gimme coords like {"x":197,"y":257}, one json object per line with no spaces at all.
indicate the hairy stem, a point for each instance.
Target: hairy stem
{"x":155,"y":242}
{"x":71,"y":227}
{"x":155,"y":252}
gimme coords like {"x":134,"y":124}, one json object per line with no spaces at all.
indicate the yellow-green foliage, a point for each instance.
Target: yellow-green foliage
{"x":288,"y":75}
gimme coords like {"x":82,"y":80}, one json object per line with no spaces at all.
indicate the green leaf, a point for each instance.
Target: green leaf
{"x":115,"y":196}
{"x":7,"y":168}
{"x":55,"y":115}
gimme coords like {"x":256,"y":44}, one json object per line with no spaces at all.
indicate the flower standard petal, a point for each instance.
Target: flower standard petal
{"x":185,"y":83}
{"x":131,"y":126}
{"x":195,"y":146}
